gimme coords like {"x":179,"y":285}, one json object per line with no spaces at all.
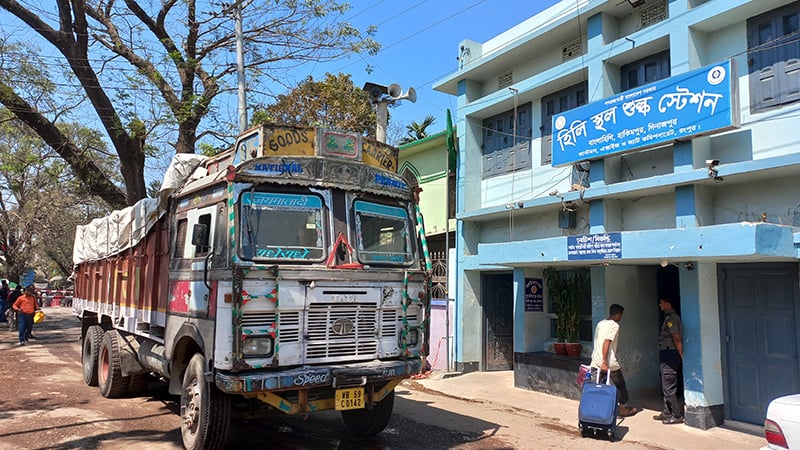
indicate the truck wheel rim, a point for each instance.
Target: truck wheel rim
{"x":191,"y":407}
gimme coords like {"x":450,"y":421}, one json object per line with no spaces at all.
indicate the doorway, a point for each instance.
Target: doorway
{"x":498,"y":311}
{"x":759,"y":326}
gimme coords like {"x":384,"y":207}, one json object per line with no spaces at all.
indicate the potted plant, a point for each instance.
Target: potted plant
{"x":567,"y":289}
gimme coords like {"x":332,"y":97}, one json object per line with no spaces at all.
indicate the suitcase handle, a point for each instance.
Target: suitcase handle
{"x":608,"y":376}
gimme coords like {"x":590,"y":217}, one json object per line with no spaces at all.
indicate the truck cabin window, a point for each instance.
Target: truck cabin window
{"x":383,"y":233}
{"x":283,"y":227}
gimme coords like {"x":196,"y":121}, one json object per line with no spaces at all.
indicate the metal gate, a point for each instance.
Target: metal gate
{"x":498,"y":308}
{"x":439,"y":354}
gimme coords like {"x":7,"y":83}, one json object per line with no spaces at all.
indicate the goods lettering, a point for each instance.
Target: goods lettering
{"x":287,"y":137}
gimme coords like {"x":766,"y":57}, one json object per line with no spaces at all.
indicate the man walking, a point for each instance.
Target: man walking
{"x":25,"y":306}
{"x":4,"y":291}
{"x":604,"y":355}
{"x":671,"y":357}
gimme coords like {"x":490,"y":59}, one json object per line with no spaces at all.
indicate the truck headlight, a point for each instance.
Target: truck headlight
{"x":257,"y":346}
{"x":412,"y":338}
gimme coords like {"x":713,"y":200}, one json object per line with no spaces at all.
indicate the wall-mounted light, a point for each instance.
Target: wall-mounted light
{"x":664,"y":263}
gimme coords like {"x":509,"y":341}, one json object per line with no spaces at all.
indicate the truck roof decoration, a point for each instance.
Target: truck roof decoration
{"x":274,"y":153}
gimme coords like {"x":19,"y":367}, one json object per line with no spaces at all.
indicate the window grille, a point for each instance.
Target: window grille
{"x":652,"y":13}
{"x":504,"y":80}
{"x":571,"y":50}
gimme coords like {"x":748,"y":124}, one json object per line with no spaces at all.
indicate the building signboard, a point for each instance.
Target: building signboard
{"x":694,"y":103}
{"x":594,"y":246}
{"x":534,"y":295}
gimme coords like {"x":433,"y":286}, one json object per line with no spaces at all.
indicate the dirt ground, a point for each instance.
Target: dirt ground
{"x":45,"y":404}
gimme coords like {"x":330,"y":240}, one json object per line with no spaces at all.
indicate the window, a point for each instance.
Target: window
{"x":646,"y":70}
{"x":557,"y":103}
{"x":383,"y":233}
{"x":275,"y":226}
{"x":773,"y":58}
{"x":584,"y":307}
{"x":203,"y":248}
{"x":503,"y":151}
{"x":180,"y":238}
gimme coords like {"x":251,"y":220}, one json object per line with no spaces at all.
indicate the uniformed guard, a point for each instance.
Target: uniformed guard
{"x":671,"y":357}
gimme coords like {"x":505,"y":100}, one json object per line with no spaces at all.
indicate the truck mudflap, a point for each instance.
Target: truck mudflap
{"x":334,"y":376}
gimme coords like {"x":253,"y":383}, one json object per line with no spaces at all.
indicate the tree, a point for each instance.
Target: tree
{"x":334,"y":102}
{"x":177,"y":64}
{"x":417,"y":130}
{"x":40,"y":202}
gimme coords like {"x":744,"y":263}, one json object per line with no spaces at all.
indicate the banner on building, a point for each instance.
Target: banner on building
{"x":690,"y":104}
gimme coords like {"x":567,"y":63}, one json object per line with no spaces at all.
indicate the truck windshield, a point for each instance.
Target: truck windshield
{"x":281,"y":227}
{"x":383,"y":233}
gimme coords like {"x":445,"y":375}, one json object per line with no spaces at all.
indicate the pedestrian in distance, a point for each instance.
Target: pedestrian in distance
{"x":26,"y":306}
{"x":12,"y":315}
{"x":4,"y":291}
{"x":604,"y":356}
{"x":671,"y":363}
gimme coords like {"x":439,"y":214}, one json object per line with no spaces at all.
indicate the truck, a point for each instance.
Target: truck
{"x":286,"y":275}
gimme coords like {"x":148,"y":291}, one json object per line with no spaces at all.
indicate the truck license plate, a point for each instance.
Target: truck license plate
{"x":352,"y":398}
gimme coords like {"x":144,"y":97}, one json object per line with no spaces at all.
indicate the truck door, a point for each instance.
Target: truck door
{"x":188,"y":291}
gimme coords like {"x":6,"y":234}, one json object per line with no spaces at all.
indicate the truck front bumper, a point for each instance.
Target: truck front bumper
{"x":335,"y":375}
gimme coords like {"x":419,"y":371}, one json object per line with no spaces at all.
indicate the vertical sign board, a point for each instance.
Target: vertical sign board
{"x":594,"y":246}
{"x":534,"y":299}
{"x":699,"y":102}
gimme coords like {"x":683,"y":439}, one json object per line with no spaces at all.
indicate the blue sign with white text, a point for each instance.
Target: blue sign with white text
{"x":689,"y":104}
{"x":594,"y":246}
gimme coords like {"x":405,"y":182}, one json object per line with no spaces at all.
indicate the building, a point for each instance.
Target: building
{"x":425,"y":163}
{"x":649,"y":144}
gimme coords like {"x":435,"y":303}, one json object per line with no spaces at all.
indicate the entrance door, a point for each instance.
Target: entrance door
{"x":761,"y":307}
{"x":498,"y":308}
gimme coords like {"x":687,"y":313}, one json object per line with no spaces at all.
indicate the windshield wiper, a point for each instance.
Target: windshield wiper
{"x":253,"y":247}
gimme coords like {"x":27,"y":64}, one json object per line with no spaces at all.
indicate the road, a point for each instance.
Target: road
{"x":44,"y":404}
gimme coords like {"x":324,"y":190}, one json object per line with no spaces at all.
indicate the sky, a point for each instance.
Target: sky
{"x":419,"y":41}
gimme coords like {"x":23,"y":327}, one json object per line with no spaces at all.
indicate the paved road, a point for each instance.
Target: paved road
{"x":44,"y":404}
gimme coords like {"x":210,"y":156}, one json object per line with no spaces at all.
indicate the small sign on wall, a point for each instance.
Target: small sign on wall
{"x":534,"y":297}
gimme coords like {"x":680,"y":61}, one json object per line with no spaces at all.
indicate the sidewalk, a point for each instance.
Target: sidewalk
{"x":498,"y":388}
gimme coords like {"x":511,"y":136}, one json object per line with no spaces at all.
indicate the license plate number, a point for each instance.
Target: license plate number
{"x":352,"y":398}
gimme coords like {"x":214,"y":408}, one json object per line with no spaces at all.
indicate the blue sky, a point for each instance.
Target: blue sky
{"x":420,"y":45}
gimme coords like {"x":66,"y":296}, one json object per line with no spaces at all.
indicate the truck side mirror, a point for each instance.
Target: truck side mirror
{"x":200,"y":235}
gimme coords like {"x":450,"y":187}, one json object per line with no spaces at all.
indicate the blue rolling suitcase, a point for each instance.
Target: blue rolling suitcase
{"x":597,"y":410}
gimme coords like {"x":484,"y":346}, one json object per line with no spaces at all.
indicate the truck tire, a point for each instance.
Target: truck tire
{"x":112,"y":383}
{"x":205,"y":410}
{"x":89,"y":352}
{"x":369,"y":422}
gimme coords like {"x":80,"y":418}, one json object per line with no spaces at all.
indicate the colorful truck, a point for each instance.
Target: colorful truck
{"x":287,"y":275}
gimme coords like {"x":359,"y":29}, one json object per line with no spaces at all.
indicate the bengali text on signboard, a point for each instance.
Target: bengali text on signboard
{"x":594,"y":246}
{"x":694,"y":103}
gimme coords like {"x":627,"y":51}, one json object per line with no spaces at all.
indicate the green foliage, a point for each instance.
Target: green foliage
{"x":334,"y":102}
{"x":417,"y":130}
{"x":40,"y":200}
{"x":567,"y":289}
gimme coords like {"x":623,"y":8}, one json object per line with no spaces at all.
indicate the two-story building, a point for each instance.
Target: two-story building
{"x":429,"y":163}
{"x":651,"y":144}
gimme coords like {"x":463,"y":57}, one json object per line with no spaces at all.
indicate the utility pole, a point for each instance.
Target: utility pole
{"x":237,"y":14}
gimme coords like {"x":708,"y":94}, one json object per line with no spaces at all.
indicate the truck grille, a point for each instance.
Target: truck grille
{"x":337,"y":330}
{"x":263,"y":323}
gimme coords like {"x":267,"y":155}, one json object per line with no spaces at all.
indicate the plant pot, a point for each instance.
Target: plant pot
{"x":560,"y":348}
{"x":573,"y":349}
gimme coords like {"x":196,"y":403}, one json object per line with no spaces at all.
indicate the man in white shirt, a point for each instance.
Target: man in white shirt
{"x":604,"y":355}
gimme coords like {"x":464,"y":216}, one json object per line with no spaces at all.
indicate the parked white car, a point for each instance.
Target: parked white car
{"x":782,"y":426}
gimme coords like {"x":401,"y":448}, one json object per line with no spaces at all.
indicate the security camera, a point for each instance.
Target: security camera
{"x":712,"y":162}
